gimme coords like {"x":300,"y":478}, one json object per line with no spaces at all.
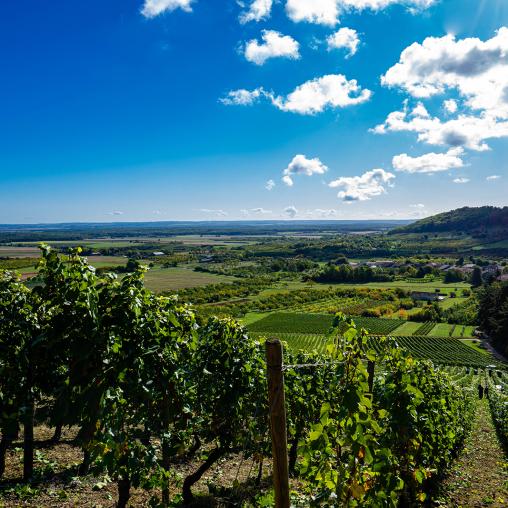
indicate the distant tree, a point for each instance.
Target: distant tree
{"x":476,"y":277}
{"x":460,"y":261}
{"x":453,"y":276}
{"x":131,"y":266}
{"x":341,"y":260}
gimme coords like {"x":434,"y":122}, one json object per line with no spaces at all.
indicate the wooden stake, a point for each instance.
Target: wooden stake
{"x":371,"y":366}
{"x":277,"y":411}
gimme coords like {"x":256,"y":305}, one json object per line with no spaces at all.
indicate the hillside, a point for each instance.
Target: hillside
{"x":484,"y":220}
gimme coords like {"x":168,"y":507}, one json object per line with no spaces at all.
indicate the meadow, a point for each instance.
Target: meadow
{"x":160,"y":279}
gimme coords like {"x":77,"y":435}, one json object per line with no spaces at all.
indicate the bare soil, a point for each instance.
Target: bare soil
{"x":57,"y":483}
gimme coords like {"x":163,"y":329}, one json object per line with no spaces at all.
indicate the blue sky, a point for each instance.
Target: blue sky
{"x":182,"y":109}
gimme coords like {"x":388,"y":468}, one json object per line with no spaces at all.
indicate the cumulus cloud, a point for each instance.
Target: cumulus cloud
{"x":491,"y":178}
{"x":330,"y":91}
{"x":430,"y":162}
{"x":300,"y":165}
{"x":270,"y":184}
{"x":364,"y":187}
{"x":257,"y":11}
{"x":291,"y":211}
{"x":450,"y":106}
{"x":312,"y":97}
{"x":273,"y":45}
{"x":323,"y":12}
{"x":152,"y":8}
{"x":468,"y":131}
{"x":461,"y":180}
{"x":344,"y":38}
{"x":477,"y":69}
{"x":242,"y":97}
{"x":327,"y":12}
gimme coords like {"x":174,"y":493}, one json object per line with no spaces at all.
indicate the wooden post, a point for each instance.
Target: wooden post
{"x":278,"y":430}
{"x":371,"y":366}
{"x":28,"y":420}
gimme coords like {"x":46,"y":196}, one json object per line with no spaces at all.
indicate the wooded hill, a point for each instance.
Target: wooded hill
{"x":484,"y":220}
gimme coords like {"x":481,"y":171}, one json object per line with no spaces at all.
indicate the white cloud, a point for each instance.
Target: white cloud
{"x":258,"y":10}
{"x":300,"y":165}
{"x":310,"y":98}
{"x":450,"y":106}
{"x":344,"y":38}
{"x":218,"y":213}
{"x":477,"y":69}
{"x":291,"y":211}
{"x":327,"y":12}
{"x":274,"y":45}
{"x":364,"y":187}
{"x":430,"y":162}
{"x":491,"y":178}
{"x":468,"y":131}
{"x":242,"y":97}
{"x":270,"y":184}
{"x":320,"y":212}
{"x":152,"y":8}
{"x":323,"y":12}
{"x":330,"y":91}
{"x":260,"y":211}
{"x":116,"y":212}
{"x":461,"y":180}
{"x":419,"y":206}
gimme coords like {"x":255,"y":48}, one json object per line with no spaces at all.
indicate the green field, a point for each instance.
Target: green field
{"x":167,"y":279}
{"x":450,"y":302}
{"x":252,"y":317}
{"x":441,"y":330}
{"x":407,"y":328}
{"x":446,"y":330}
{"x":475,"y":345}
{"x":104,"y":261}
{"x":445,"y":289}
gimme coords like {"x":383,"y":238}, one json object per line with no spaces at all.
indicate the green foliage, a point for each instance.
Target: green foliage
{"x":476,"y":277}
{"x":373,"y":450}
{"x":344,"y":273}
{"x":432,"y":312}
{"x":493,"y":313}
{"x":146,"y":385}
{"x":498,"y":399}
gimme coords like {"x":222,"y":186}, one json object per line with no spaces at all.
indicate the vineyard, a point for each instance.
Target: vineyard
{"x":446,"y":351}
{"x":289,"y":322}
{"x":318,"y":323}
{"x":440,"y":350}
{"x":145,"y":388}
{"x":498,"y":386}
